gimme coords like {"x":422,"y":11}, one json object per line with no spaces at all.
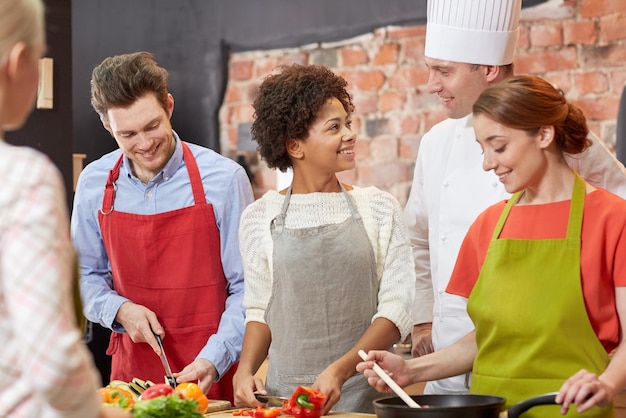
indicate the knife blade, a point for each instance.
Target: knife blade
{"x":272,"y":400}
{"x":171,"y":380}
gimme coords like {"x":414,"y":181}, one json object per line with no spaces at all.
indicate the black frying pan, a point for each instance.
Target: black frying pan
{"x":456,"y":406}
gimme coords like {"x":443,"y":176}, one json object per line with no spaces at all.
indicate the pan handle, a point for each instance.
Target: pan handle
{"x":516,"y":410}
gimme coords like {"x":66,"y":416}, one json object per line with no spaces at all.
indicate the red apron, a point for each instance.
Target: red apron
{"x":170,"y":263}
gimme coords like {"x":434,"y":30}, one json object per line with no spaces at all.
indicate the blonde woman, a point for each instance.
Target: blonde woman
{"x":45,"y":370}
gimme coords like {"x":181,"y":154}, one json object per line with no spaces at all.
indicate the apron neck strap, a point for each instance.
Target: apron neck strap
{"x":192,"y":169}
{"x":353,"y":210}
{"x":110,"y":187}
{"x":577,"y":204}
{"x":574,"y":225}
{"x":279,"y":220}
{"x":194,"y":175}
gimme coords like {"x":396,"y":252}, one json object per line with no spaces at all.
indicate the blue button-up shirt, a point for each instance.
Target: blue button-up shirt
{"x":226,"y":187}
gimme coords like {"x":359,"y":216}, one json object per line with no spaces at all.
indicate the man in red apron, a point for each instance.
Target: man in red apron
{"x":155,"y":223}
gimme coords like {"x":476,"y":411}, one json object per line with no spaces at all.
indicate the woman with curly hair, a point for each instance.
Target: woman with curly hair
{"x":328,"y":266}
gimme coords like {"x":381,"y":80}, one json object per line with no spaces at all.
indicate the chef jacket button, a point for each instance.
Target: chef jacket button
{"x":150,"y":194}
{"x":446,"y":184}
{"x":444,"y":237}
{"x":494,"y":184}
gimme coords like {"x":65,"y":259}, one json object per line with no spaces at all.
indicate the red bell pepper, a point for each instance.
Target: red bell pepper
{"x":160,"y":389}
{"x":258,"y":412}
{"x":306,"y":402}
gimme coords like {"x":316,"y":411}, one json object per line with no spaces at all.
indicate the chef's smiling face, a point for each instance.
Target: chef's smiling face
{"x":516,"y":156}
{"x":144,"y":134}
{"x":458,"y":85}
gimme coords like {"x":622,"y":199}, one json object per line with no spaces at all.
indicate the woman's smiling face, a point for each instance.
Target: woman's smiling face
{"x":329,"y":146}
{"x":514,"y":155}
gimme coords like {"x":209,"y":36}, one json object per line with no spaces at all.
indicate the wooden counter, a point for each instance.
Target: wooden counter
{"x":620,"y":404}
{"x":229,"y":414}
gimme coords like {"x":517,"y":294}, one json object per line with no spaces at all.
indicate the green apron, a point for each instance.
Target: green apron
{"x":532,"y":327}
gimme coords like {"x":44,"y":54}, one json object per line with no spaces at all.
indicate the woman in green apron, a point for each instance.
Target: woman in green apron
{"x":544,"y":272}
{"x":328,"y":266}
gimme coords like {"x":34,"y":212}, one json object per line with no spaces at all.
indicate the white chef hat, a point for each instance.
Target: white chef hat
{"x":472,"y":31}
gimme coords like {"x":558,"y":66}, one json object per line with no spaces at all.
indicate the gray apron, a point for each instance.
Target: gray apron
{"x":324,"y":296}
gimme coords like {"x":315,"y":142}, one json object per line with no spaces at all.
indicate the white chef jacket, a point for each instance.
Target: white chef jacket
{"x":450,"y":188}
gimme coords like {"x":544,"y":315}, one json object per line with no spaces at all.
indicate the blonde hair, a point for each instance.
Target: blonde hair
{"x":20,"y":21}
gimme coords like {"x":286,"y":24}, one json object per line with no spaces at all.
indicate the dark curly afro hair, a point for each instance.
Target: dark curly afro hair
{"x":288,"y":104}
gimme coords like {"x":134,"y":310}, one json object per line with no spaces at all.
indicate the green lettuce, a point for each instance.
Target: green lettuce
{"x":170,"y":406}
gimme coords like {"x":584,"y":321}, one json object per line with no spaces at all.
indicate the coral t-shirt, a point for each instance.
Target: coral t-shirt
{"x":603,"y":251}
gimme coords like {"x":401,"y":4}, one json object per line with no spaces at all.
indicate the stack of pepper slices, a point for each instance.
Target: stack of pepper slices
{"x":305,"y":402}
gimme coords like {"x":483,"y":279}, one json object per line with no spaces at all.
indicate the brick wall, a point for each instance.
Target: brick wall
{"x":578,"y":44}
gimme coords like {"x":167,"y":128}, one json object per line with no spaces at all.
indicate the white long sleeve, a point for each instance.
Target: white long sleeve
{"x":382,"y":218}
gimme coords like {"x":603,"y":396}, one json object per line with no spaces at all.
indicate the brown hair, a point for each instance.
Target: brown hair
{"x":288,"y":104}
{"x":506,"y":70}
{"x":122,"y":79}
{"x":530,"y":102}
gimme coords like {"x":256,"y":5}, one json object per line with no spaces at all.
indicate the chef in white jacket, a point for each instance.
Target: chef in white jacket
{"x":469,"y":46}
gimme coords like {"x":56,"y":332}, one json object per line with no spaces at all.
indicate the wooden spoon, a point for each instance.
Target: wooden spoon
{"x":390,"y":382}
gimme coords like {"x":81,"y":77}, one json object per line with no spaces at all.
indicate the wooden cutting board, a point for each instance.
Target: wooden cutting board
{"x":215,"y":406}
{"x":229,"y":414}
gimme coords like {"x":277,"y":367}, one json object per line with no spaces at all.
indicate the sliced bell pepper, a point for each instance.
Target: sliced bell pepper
{"x":306,"y":402}
{"x":258,"y":412}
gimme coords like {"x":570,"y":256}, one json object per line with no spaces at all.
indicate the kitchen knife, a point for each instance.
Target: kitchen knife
{"x":171,"y":380}
{"x":272,"y":400}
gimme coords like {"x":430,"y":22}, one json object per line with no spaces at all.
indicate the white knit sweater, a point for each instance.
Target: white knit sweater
{"x":382,"y":218}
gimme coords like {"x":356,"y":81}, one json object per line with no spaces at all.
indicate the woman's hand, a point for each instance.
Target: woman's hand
{"x":584,"y":390}
{"x":393,"y":364}
{"x":244,"y":388}
{"x":328,"y":383}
